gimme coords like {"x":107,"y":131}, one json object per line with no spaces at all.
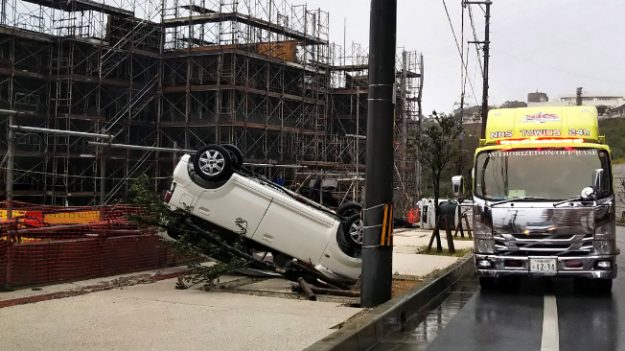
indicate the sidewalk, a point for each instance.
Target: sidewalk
{"x":153,"y":315}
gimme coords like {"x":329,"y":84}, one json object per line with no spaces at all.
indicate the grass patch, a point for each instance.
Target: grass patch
{"x":459,"y":252}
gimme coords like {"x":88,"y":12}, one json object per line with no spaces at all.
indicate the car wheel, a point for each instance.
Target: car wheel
{"x":213,"y":163}
{"x":350,"y":238}
{"x":355,"y":225}
{"x":236,"y":155}
{"x":349,"y":209}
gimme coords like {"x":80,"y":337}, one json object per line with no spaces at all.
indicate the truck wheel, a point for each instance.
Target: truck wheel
{"x":213,"y":163}
{"x":488,"y":283}
{"x":601,"y":286}
{"x":236,"y":155}
{"x":593,"y":286}
{"x":349,"y":209}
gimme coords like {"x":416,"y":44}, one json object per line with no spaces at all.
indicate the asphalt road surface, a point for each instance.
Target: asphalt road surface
{"x":543,"y":314}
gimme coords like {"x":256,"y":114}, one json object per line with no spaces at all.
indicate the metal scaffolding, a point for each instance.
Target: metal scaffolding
{"x":179,"y":74}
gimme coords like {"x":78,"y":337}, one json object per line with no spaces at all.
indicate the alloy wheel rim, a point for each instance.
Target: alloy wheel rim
{"x":212,"y":162}
{"x":355,"y":231}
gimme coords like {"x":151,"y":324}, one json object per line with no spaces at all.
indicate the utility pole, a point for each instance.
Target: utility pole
{"x":486,"y":44}
{"x":578,"y":96}
{"x":377,"y":248}
{"x":420,"y":114}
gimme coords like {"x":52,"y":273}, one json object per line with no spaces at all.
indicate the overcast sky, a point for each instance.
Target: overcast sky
{"x":551,"y":46}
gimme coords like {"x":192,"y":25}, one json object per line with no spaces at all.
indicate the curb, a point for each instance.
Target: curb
{"x":139,"y":279}
{"x":364,"y":332}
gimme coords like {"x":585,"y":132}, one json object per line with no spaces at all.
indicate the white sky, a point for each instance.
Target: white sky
{"x":551,"y":46}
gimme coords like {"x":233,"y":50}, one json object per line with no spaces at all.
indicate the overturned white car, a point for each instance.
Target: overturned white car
{"x":212,"y":186}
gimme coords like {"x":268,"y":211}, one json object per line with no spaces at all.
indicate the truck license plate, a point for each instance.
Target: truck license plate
{"x":543,"y":265}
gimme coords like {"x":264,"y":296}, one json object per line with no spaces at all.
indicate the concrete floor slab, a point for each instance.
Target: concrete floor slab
{"x":159,"y":317}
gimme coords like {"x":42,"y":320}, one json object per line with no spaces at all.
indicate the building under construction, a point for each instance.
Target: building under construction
{"x":159,"y":77}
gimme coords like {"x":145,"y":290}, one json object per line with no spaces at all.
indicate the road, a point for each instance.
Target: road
{"x":545,"y":315}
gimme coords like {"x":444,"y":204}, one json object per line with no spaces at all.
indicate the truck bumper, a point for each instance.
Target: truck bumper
{"x":574,"y":266}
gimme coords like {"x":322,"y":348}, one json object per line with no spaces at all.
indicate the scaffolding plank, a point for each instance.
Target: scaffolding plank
{"x":238,"y":124}
{"x":197,"y":8}
{"x":196,"y":41}
{"x":25,"y":34}
{"x":83,"y":5}
{"x":249,"y":20}
{"x":220,"y":87}
{"x":221,"y":49}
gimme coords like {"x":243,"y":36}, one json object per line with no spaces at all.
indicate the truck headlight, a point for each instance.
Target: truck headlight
{"x":604,"y":240}
{"x":484,"y":246}
{"x":482,"y":230}
{"x":483,"y":234}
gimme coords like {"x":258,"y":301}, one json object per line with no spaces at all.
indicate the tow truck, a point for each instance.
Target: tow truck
{"x":543,"y":197}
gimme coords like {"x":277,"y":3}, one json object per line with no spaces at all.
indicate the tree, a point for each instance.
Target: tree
{"x":438,"y":145}
{"x":513,"y":104}
{"x":602,"y":109}
{"x":191,"y":242}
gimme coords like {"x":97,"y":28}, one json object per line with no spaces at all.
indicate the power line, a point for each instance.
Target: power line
{"x":453,"y":32}
{"x":477,"y":52}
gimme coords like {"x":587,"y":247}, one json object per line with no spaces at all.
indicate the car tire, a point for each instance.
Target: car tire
{"x":350,"y":237}
{"x":236,"y":155}
{"x":213,"y":163}
{"x":349,"y":209}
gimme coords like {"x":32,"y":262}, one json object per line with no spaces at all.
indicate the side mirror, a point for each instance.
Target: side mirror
{"x":457,"y":186}
{"x":598,"y":180}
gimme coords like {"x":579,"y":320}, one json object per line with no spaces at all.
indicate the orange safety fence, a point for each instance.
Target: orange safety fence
{"x":49,"y":244}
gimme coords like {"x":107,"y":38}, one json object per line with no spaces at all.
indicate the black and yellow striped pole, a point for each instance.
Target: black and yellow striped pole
{"x":377,"y":248}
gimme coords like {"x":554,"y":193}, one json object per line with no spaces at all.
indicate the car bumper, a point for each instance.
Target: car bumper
{"x":574,"y":266}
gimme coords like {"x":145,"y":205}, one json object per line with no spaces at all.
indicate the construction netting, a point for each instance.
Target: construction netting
{"x":48,"y":244}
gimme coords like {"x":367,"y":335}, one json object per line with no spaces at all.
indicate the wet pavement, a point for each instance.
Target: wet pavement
{"x":542,"y":314}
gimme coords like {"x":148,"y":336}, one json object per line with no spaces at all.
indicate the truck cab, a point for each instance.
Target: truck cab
{"x":543,"y":197}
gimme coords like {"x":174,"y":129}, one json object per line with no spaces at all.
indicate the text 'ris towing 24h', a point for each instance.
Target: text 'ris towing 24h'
{"x":543,"y":198}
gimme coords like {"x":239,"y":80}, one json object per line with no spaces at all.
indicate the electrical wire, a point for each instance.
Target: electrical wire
{"x":453,"y":32}
{"x":477,"y":52}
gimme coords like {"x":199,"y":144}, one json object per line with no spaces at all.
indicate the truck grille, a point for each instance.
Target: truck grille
{"x":544,"y":245}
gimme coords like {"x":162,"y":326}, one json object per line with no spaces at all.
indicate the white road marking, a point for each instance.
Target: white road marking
{"x":551,"y":335}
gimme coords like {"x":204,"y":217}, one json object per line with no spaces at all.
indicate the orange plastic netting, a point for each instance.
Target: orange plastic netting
{"x":47,"y":244}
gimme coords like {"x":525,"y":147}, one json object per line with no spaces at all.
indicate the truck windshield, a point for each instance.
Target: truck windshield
{"x":549,"y":174}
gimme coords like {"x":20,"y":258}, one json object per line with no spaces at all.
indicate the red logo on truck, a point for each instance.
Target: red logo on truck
{"x":542,"y":117}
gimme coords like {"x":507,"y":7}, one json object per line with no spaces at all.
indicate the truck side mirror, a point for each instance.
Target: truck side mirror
{"x":457,"y":186}
{"x":598,"y":180}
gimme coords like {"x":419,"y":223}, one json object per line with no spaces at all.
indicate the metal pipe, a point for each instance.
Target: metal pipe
{"x":60,"y":132}
{"x":139,"y":147}
{"x":306,"y":289}
{"x":10,"y":166}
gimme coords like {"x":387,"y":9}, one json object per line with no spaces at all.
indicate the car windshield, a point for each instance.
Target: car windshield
{"x":543,"y":174}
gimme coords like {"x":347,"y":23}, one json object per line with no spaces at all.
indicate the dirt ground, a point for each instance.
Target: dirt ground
{"x":401,"y":286}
